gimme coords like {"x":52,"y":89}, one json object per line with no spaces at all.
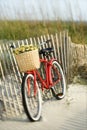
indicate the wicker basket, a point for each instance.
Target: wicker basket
{"x":28,"y":60}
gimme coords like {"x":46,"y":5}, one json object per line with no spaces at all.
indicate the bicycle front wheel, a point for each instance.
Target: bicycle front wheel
{"x":59,"y":89}
{"x":31,"y":102}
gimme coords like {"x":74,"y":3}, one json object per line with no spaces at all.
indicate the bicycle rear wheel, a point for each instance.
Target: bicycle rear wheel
{"x":59,"y":89}
{"x":32,"y":103}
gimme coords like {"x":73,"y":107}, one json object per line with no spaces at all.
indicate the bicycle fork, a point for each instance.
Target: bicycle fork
{"x":35,"y":84}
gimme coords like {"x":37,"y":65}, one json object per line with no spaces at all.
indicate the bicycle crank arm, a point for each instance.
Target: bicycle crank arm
{"x":54,"y":92}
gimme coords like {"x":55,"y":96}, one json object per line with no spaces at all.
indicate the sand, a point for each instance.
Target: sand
{"x":69,"y":113}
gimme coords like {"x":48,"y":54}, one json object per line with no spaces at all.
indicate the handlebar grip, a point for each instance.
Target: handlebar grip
{"x":49,"y":40}
{"x":12,"y":46}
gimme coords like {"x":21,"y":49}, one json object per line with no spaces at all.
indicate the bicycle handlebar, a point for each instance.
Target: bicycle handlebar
{"x":42,"y":43}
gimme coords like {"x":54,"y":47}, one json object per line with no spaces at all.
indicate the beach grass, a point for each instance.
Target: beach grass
{"x":17,"y":30}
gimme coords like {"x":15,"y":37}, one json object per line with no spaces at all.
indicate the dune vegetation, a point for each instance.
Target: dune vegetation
{"x":14,"y":30}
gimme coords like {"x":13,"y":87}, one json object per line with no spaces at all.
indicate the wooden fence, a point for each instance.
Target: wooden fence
{"x":10,"y":77}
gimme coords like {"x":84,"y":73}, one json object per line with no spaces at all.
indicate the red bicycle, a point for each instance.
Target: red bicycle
{"x":32,"y":82}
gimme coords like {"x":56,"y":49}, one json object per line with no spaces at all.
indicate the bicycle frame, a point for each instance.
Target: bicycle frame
{"x":47,"y":83}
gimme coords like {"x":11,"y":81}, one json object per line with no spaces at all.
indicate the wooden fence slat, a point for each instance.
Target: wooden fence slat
{"x":69,"y":58}
{"x":26,"y":41}
{"x":57,"y":47}
{"x":35,"y":42}
{"x":55,"y":56}
{"x":50,"y":44}
{"x":61,"y":50}
{"x":64,"y":52}
{"x":3,"y":62}
{"x":67,"y":42}
{"x":46,"y":45}
{"x":4,"y":101}
{"x":31,"y":41}
{"x":2,"y":73}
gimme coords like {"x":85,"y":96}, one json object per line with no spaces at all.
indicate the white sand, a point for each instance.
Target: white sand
{"x":69,"y":113}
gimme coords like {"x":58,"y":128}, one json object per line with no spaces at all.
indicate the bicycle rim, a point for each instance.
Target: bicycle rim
{"x":31,"y":103}
{"x":59,"y":89}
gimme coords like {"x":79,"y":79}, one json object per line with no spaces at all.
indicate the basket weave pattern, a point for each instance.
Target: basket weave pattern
{"x":28,"y":60}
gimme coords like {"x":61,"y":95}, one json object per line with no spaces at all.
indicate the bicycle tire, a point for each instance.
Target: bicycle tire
{"x":59,"y":89}
{"x":29,"y":100}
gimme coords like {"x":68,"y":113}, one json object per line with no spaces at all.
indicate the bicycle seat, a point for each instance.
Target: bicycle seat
{"x":46,"y":51}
